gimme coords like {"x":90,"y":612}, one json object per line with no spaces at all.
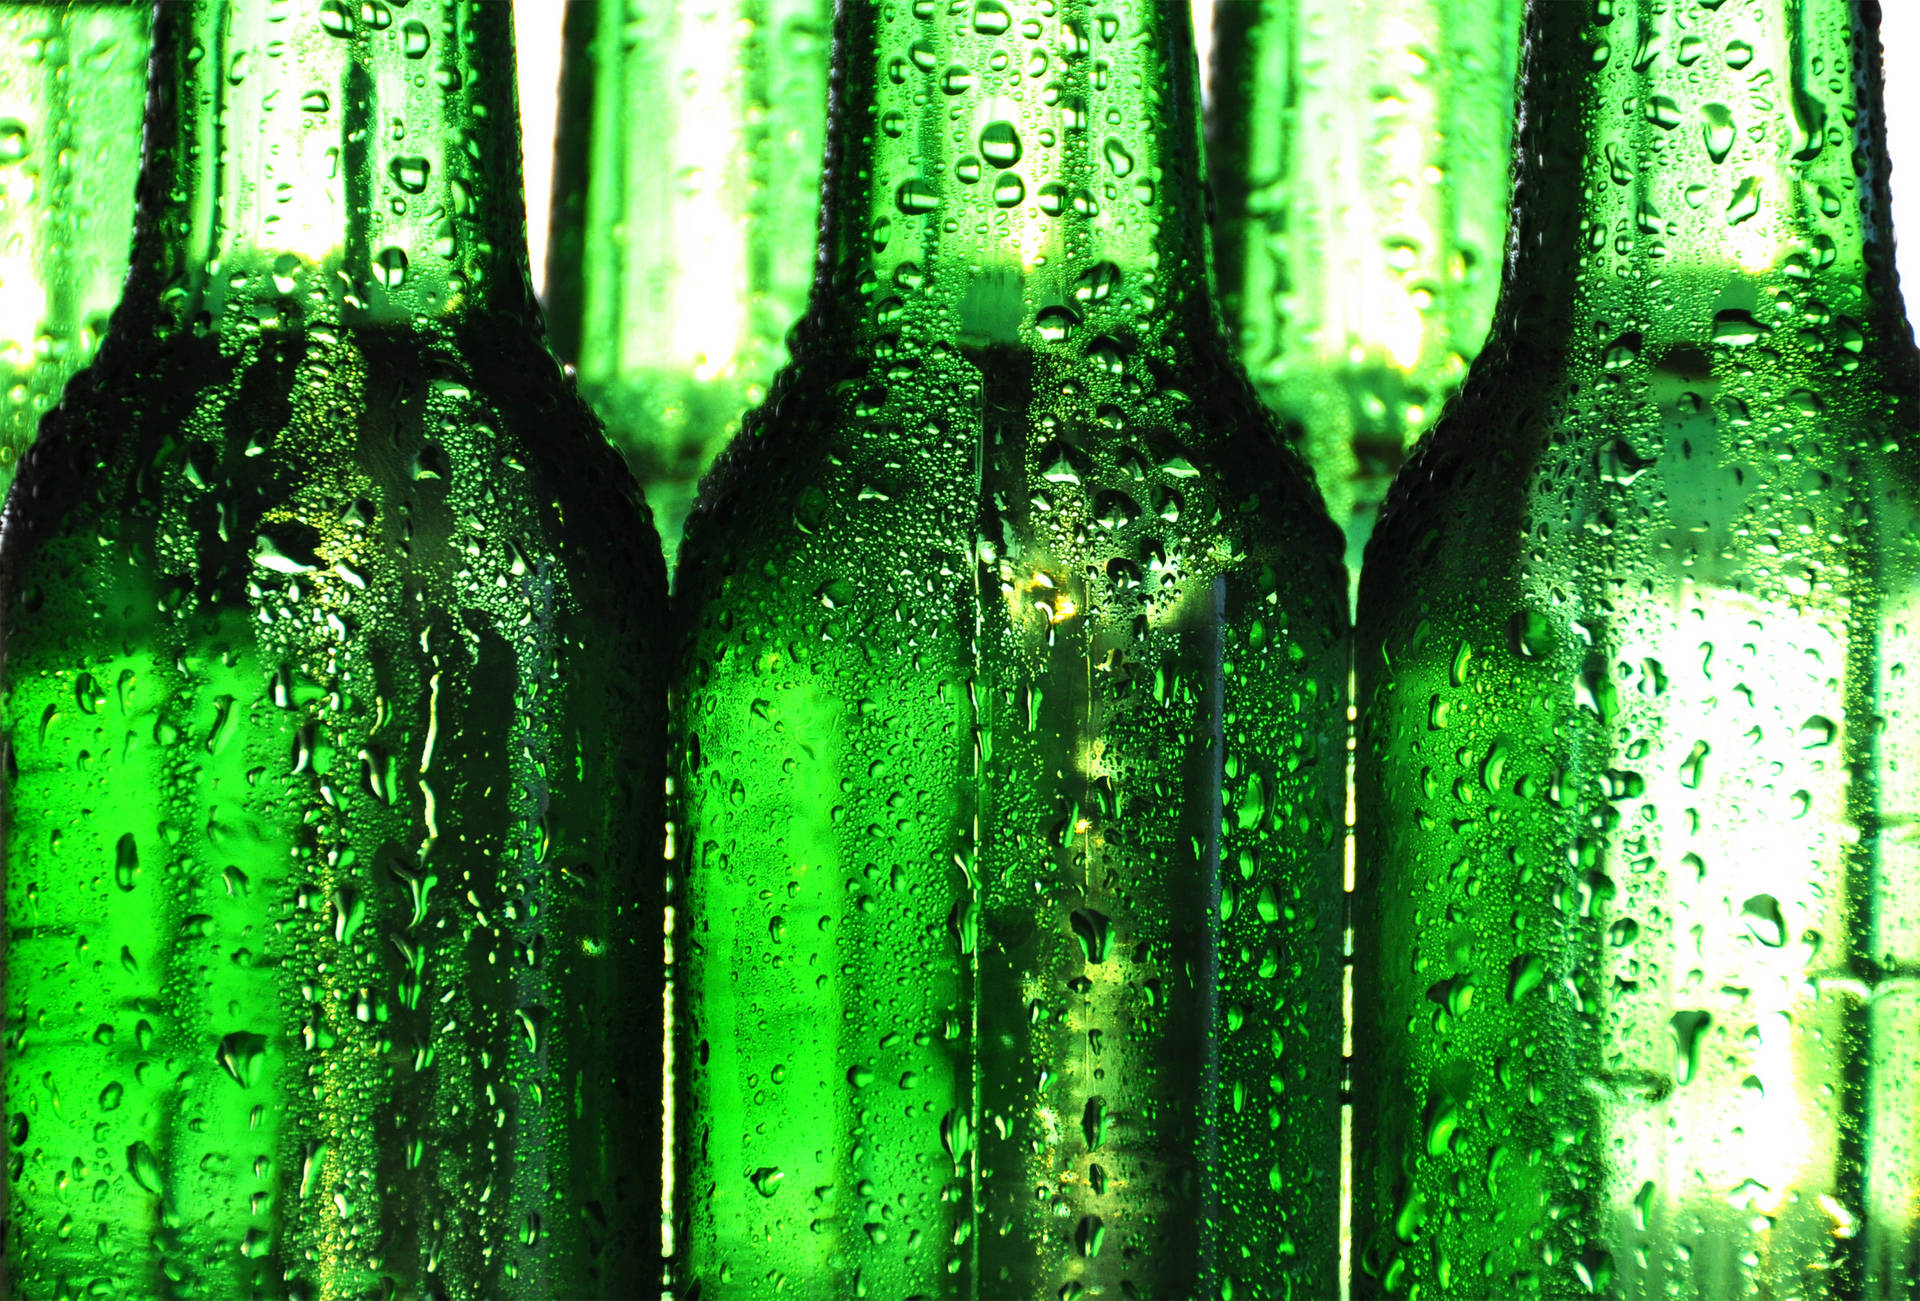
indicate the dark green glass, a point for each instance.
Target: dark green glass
{"x":334,"y":716}
{"x":1637,"y":996}
{"x":1359,"y":150}
{"x":685,"y":205}
{"x":1009,"y":719}
{"x":73,"y":85}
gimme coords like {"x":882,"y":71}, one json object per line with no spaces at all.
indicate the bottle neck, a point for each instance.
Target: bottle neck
{"x":1685,"y":172}
{"x":314,"y":160}
{"x":1012,"y":173}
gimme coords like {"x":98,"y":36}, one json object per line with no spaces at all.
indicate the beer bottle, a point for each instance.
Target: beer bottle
{"x":1636,"y":1008}
{"x":73,"y":84}
{"x":1359,"y":150}
{"x":1008,"y":724}
{"x":686,"y":191}
{"x":333,"y":742}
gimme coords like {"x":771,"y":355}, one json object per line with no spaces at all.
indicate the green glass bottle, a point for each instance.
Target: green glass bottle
{"x":1359,"y":151}
{"x":1009,"y":717}
{"x":73,"y":85}
{"x":1638,"y":919}
{"x":686,"y":192}
{"x":334,"y":716}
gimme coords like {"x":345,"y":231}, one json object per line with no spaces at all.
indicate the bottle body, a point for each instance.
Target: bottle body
{"x":1011,"y":915}
{"x":73,"y":84}
{"x":1633,"y":919}
{"x":1359,"y":236}
{"x":1007,"y":726}
{"x":333,"y":943}
{"x":687,"y":189}
{"x":325,"y":895}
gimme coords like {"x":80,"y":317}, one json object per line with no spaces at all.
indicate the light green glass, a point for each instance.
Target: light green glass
{"x":73,"y":85}
{"x":1359,"y":151}
{"x":686,"y":193}
{"x":333,"y":717}
{"x":1008,"y":726}
{"x":1637,"y":999}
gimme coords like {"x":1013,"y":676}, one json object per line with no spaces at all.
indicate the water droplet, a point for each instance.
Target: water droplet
{"x":766,"y":1180}
{"x":956,"y":1135}
{"x":144,"y":1166}
{"x":1717,"y":130}
{"x":126,"y":862}
{"x":1693,"y":767}
{"x":415,"y":39}
{"x":390,"y":265}
{"x":240,"y":1054}
{"x":916,"y":196}
{"x":1094,"y":932}
{"x":336,"y":19}
{"x":1817,"y":731}
{"x":1736,"y":329}
{"x":1442,"y":1121}
{"x":1000,"y":143}
{"x":1119,"y":161}
{"x":14,"y":142}
{"x":1745,"y":202}
{"x":112,"y":1096}
{"x":1764,"y":920}
{"x":1524,"y":974}
{"x":1529,"y":634}
{"x":410,"y":172}
{"x":1055,"y":323}
{"x":1009,"y":190}
{"x":1739,"y":54}
{"x":990,"y":17}
{"x":1094,"y":1122}
{"x":1688,"y":1029}
{"x":1662,"y":111}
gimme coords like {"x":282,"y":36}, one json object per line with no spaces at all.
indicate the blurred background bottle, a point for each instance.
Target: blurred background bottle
{"x":73,"y":88}
{"x":1637,"y":973}
{"x":686,"y":195}
{"x":1358,"y":151}
{"x":334,"y":716}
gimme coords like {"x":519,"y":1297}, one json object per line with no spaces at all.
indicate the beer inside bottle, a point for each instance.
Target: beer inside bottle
{"x":73,"y":85}
{"x":1009,"y":720}
{"x":1360,"y":155}
{"x":330,"y":967}
{"x":686,"y":196}
{"x":1636,"y":1007}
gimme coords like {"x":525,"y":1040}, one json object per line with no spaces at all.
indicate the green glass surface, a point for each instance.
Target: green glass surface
{"x":1359,"y":151}
{"x":73,"y":85}
{"x":1009,"y":719}
{"x":1637,"y":997}
{"x":685,"y":205}
{"x":334,"y":717}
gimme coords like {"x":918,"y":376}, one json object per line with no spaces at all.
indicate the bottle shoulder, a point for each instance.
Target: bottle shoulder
{"x":990,"y":464}
{"x":1735,"y":464}
{"x":293,"y":452}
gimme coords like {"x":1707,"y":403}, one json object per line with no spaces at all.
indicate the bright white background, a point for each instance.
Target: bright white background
{"x":538,"y":24}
